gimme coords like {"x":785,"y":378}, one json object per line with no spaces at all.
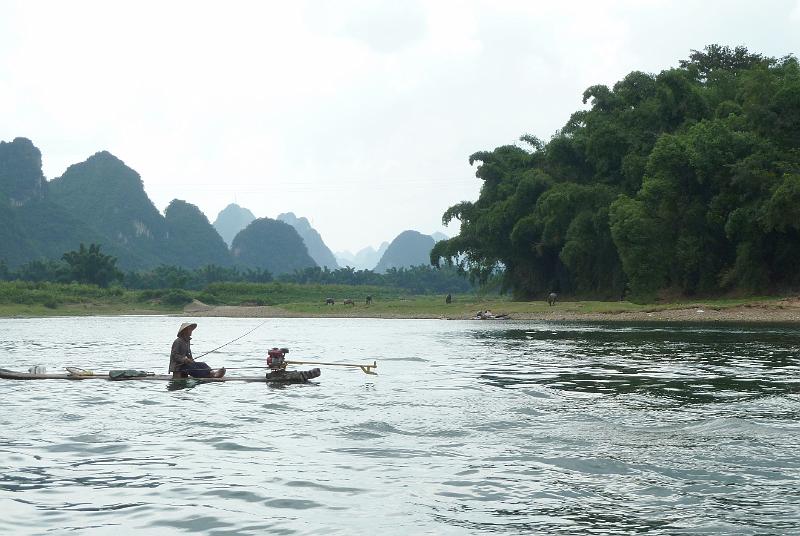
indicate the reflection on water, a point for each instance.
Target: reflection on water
{"x":179,"y":385}
{"x":689,"y":364}
{"x":470,"y":428}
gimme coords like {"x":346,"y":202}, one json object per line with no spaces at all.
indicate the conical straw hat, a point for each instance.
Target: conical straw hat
{"x":184,"y":326}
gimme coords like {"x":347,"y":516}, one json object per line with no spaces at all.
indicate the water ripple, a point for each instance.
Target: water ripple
{"x":469,"y":428}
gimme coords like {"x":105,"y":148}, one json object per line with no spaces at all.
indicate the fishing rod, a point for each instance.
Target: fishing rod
{"x":365,"y":368}
{"x":234,"y":340}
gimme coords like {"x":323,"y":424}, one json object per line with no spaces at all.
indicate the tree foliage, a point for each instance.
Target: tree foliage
{"x":166,"y":276}
{"x":422,"y":279}
{"x":687,"y":180}
{"x":89,"y":266}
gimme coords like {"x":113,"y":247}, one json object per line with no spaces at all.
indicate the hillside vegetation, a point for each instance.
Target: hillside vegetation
{"x":271,"y":245}
{"x":409,"y":248}
{"x":191,"y":239}
{"x":102,"y":201}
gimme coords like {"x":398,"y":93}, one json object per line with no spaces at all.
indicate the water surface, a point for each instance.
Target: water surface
{"x":470,"y":428}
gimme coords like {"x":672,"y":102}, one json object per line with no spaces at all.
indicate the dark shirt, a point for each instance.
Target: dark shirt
{"x":180,"y":348}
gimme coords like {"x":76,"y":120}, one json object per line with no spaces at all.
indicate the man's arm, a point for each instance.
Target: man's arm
{"x":178,"y":353}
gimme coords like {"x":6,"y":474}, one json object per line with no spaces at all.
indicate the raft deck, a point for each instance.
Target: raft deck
{"x":291,"y":376}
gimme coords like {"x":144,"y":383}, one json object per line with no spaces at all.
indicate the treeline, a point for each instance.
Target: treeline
{"x":421,"y":279}
{"x":416,"y":280}
{"x":84,"y":265}
{"x":90,"y":266}
{"x":685,"y":182}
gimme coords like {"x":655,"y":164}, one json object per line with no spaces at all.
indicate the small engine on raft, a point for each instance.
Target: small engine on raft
{"x":276,"y":358}
{"x":276,"y":363}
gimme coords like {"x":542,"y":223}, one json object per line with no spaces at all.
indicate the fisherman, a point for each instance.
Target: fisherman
{"x":181,"y":363}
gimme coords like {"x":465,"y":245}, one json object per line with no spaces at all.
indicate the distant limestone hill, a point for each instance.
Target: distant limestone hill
{"x":103,"y":201}
{"x":410,"y":248}
{"x":31,"y":226}
{"x":365,"y":259}
{"x":192,"y":242}
{"x":438,"y":237}
{"x":48,"y":231}
{"x":21,"y":178}
{"x":313,"y":241}
{"x":231,"y":220}
{"x":98,"y":201}
{"x":109,"y":196}
{"x":272,"y":245}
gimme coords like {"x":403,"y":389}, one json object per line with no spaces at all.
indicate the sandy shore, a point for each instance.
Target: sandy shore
{"x":783,"y":311}
{"x":750,"y":313}
{"x":200,"y":309}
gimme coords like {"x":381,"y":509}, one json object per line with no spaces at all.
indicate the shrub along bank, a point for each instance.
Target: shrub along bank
{"x":53,"y":295}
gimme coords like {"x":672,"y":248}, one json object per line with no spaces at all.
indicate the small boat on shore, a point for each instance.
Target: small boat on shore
{"x":286,"y":376}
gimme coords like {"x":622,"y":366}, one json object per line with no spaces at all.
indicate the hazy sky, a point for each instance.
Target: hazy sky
{"x":358,"y":115}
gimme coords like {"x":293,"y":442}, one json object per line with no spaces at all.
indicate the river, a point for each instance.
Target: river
{"x":469,"y":428}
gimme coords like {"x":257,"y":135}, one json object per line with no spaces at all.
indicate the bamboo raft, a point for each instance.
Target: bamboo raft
{"x":289,"y":376}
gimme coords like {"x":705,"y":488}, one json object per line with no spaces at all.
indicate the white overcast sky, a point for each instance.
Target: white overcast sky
{"x":358,"y":115}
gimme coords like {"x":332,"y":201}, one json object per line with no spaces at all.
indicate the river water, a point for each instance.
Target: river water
{"x":469,"y":428}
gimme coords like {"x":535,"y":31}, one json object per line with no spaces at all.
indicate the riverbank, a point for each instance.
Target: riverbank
{"x":276,"y":300}
{"x":778,"y":310}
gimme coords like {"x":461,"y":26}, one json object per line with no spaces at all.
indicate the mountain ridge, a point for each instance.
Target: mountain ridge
{"x":231,"y":220}
{"x":320,"y":252}
{"x":272,"y":245}
{"x":409,"y":248}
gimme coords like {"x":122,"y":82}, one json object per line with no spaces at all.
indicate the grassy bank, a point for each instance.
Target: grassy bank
{"x":288,"y":299}
{"x":22,"y":298}
{"x":283,"y":293}
{"x":466,"y":306}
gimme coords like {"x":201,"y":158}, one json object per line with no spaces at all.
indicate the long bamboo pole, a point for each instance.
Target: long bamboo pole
{"x":366,"y":368}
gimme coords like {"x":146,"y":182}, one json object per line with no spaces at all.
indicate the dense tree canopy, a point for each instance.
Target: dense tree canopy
{"x":422,"y":279}
{"x":687,"y":181}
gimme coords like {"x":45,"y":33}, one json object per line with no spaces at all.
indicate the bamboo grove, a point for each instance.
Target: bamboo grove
{"x":682,"y":183}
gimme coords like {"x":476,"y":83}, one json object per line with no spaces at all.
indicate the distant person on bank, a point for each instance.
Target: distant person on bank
{"x":181,"y":363}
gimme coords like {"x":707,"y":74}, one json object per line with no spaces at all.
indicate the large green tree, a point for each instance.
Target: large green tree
{"x":90,"y":266}
{"x":687,"y":180}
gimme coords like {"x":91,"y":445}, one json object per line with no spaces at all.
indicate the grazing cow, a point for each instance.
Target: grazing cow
{"x":551,"y":299}
{"x":348,"y":301}
{"x":328,"y":301}
{"x":369,"y":300}
{"x":448,"y":299}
